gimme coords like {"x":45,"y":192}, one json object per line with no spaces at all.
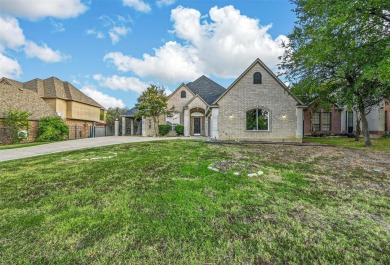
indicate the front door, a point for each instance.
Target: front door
{"x":197,"y":126}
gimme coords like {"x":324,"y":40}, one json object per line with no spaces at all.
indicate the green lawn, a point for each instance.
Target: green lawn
{"x":381,"y":144}
{"x":158,"y":203}
{"x":13,"y":146}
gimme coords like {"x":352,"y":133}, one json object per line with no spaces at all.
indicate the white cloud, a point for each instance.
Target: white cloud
{"x":57,"y":27}
{"x":138,"y":5}
{"x":11,"y":35}
{"x":43,"y":8}
{"x":103,"y":99}
{"x":161,"y":3}
{"x":116,"y":82}
{"x":43,"y":53}
{"x":223,"y":46}
{"x":118,"y":28}
{"x":98,"y":34}
{"x":9,"y":68}
{"x":171,"y":63}
{"x":116,"y":32}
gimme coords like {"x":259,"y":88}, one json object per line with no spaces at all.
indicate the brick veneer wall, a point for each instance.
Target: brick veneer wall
{"x":269,"y":95}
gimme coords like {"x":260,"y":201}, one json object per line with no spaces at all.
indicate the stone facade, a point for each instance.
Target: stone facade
{"x":284,"y":111}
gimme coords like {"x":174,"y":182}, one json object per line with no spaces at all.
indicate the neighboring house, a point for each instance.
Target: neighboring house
{"x":257,"y":106}
{"x":74,"y":107}
{"x":338,"y":119}
{"x":14,"y":96}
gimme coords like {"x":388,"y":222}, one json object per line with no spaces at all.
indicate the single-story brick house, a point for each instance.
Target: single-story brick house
{"x":256,"y":106}
{"x":337,"y":119}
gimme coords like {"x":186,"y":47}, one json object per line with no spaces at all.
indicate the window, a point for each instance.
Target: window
{"x":183,"y":94}
{"x":257,"y":120}
{"x":102,"y":114}
{"x":257,"y":78}
{"x":322,"y":121}
{"x":316,"y":121}
{"x":326,"y":121}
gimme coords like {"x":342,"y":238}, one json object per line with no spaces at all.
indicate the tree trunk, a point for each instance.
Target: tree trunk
{"x":155,"y":126}
{"x":358,"y":131}
{"x":366,"y":133}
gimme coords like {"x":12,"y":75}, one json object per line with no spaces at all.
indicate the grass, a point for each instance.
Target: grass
{"x":158,"y":203}
{"x":13,"y":146}
{"x":381,"y":144}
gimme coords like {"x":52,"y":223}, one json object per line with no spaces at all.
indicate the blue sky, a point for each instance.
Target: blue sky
{"x":113,"y":49}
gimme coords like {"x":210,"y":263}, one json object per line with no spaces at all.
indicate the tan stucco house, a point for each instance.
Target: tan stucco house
{"x":63,"y":99}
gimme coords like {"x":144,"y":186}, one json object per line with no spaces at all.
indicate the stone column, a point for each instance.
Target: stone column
{"x":187,"y":122}
{"x":299,"y":131}
{"x":123,"y":126}
{"x":131,"y":126}
{"x":116,"y":128}
{"x":214,"y":123}
{"x":143,"y":126}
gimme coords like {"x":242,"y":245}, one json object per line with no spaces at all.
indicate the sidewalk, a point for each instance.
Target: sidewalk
{"x":18,"y":153}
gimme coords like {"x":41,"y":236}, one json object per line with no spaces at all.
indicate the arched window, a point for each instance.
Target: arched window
{"x":257,"y":120}
{"x":257,"y":78}
{"x":183,"y":94}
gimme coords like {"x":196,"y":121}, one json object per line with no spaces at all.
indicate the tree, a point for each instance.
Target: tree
{"x":17,"y":120}
{"x":152,"y":103}
{"x":114,"y":113}
{"x":341,"y":50}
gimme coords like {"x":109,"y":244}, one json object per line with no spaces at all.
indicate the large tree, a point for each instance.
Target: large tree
{"x":340,"y":50}
{"x":114,"y":113}
{"x":152,"y":103}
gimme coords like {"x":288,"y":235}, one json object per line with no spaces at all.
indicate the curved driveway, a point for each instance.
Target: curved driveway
{"x":17,"y":153}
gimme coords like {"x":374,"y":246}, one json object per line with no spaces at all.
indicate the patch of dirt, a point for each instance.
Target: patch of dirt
{"x":225,"y":166}
{"x":339,"y":167}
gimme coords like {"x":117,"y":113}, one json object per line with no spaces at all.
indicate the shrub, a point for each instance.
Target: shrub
{"x":164,"y":129}
{"x":17,"y":120}
{"x":52,"y":129}
{"x":179,"y":129}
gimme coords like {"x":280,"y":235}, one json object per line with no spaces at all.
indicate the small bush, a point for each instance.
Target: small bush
{"x":179,"y":129}
{"x":52,"y":129}
{"x":164,"y":129}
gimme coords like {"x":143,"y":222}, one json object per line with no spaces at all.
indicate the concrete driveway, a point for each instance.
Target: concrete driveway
{"x":18,"y":153}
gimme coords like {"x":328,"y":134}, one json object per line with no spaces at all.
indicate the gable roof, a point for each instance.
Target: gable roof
{"x":206,"y":88}
{"x":193,"y":98}
{"x":53,"y":87}
{"x":14,"y":96}
{"x":181,"y":85}
{"x":258,"y":61}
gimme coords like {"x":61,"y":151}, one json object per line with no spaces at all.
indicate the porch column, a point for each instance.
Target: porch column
{"x":123,"y":126}
{"x":116,"y":133}
{"x":214,"y":123}
{"x":186,"y":122}
{"x":131,"y":126}
{"x":299,"y":131}
{"x":143,"y":126}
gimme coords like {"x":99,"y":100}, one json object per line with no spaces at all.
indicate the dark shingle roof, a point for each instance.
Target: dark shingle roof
{"x":206,"y":88}
{"x":131,"y":112}
{"x":53,"y":87}
{"x":14,"y":96}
